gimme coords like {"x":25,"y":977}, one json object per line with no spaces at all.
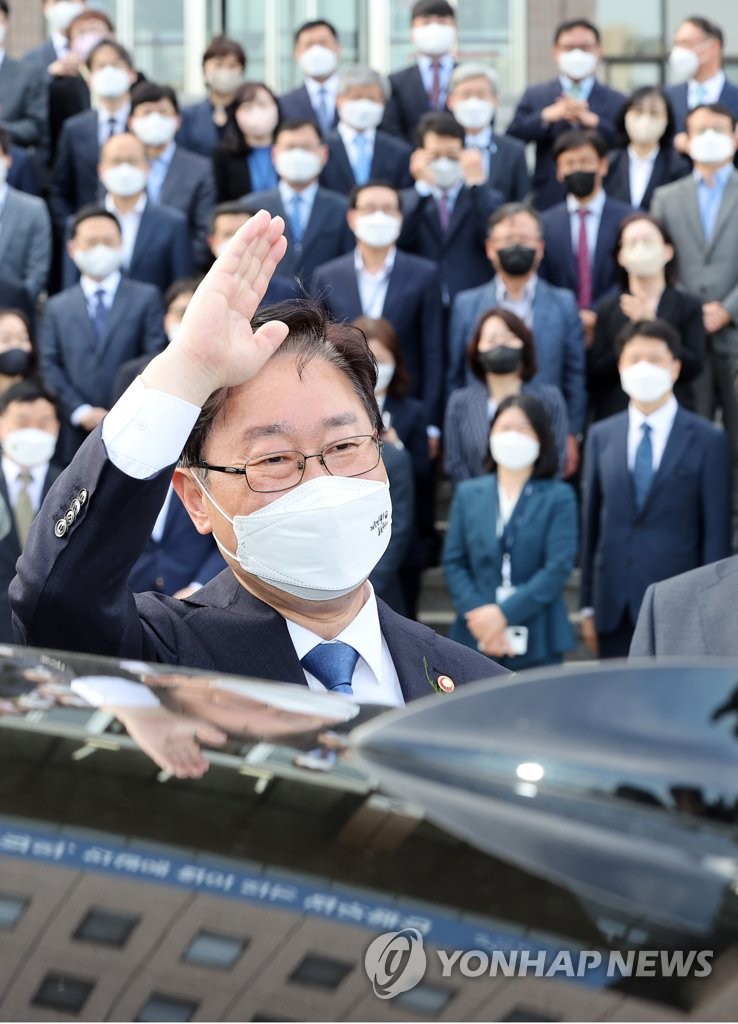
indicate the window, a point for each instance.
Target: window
{"x":426,"y":999}
{"x":321,"y":971}
{"x":106,"y":928}
{"x":12,"y":909}
{"x":60,"y":992}
{"x":210,"y":950}
{"x":161,"y":1007}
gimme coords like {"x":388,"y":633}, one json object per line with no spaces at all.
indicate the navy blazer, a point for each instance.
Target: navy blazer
{"x":221,"y":628}
{"x":409,"y":418}
{"x":198,"y":132}
{"x":327,"y":234}
{"x":684,"y":523}
{"x":668,"y":166}
{"x":677,"y":98}
{"x":528,"y":126}
{"x":508,"y":168}
{"x":296,"y":106}
{"x":543,"y":553}
{"x":559,"y":266}
{"x":460,"y":252}
{"x":390,"y":163}
{"x":74,"y":181}
{"x":406,"y":105}
{"x":22,"y":174}
{"x":413,"y":307}
{"x":42,"y":55}
{"x":189,"y":187}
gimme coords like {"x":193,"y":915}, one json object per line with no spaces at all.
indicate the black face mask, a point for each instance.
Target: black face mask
{"x":580,"y":183}
{"x":501,"y":359}
{"x":16,"y":362}
{"x":516,"y":260}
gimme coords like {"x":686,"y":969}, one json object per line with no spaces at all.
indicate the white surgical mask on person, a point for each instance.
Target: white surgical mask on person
{"x":319,"y":540}
{"x":711,"y":147}
{"x":318,"y":61}
{"x":446,"y":172}
{"x":154,"y":129}
{"x":98,"y":262}
{"x":3,"y":30}
{"x":298,"y":165}
{"x":645,"y":382}
{"x":257,"y":121}
{"x":224,"y":80}
{"x":385,"y":373}
{"x":644,"y":259}
{"x":513,"y":450}
{"x":377,"y":230}
{"x":124,"y":179}
{"x":434,"y":39}
{"x":361,"y":114}
{"x":30,"y":447}
{"x":577,"y":64}
{"x":683,"y":63}
{"x":110,"y":82}
{"x":60,"y":15}
{"x":644,"y":128}
{"x":474,"y":113}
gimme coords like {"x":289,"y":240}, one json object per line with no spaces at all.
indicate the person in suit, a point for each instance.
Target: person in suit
{"x":58,"y":14}
{"x":177,"y":179}
{"x":242,"y":162}
{"x":647,"y":276}
{"x":203,"y":123}
{"x":580,"y":233}
{"x":90,"y":329}
{"x":17,"y":352}
{"x":649,"y":160}
{"x":472,"y":99}
{"x":515,"y":249}
{"x":357,"y":150}
{"x":22,"y":174}
{"x":74,"y":180}
{"x":25,"y":239}
{"x":657,"y":491}
{"x":317,"y":53}
{"x":445,"y":214}
{"x":290,"y":383}
{"x":29,"y":427}
{"x":701,"y":215}
{"x":317,"y":230}
{"x":574,"y":99}
{"x":225,"y":221}
{"x":512,"y":543}
{"x":24,"y":111}
{"x":423,"y":87}
{"x":156,"y":242}
{"x":378,"y":280}
{"x":15,"y":296}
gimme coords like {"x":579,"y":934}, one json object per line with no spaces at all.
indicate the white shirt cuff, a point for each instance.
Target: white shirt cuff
{"x":110,"y":691}
{"x":146,"y":430}
{"x":423,"y":188}
{"x":78,"y":413}
{"x":432,"y":431}
{"x":586,"y":613}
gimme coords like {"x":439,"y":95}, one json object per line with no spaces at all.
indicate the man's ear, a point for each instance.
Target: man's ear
{"x":193,"y":500}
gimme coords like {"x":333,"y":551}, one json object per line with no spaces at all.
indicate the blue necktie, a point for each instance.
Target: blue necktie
{"x":324,"y":122}
{"x":333,"y":664}
{"x":100,"y":314}
{"x":296,"y":219}
{"x":643,"y":467}
{"x":363,"y":160}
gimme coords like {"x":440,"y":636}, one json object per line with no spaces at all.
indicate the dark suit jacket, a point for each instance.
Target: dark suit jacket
{"x":385,"y":576}
{"x":668,"y":166}
{"x":42,"y":55}
{"x":74,"y":181}
{"x":685,"y":521}
{"x":15,"y":296}
{"x":410,"y":419}
{"x":232,"y":174}
{"x":559,"y":266}
{"x":296,"y":106}
{"x":677,"y":97}
{"x":407,"y":104}
{"x":508,"y":169}
{"x":199,"y":133}
{"x":22,"y":174}
{"x":190,"y":188}
{"x":327,"y":234}
{"x":390,"y":163}
{"x":221,"y":628}
{"x":162,"y":253}
{"x":528,"y":126}
{"x":459,"y":252}
{"x":24,"y":106}
{"x":413,"y":307}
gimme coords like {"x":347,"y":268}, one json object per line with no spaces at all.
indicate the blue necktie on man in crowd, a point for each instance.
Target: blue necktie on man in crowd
{"x":333,"y":664}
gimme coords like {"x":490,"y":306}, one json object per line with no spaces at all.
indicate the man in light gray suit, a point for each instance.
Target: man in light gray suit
{"x":701,"y":214}
{"x":24,"y":107}
{"x":25,"y":232}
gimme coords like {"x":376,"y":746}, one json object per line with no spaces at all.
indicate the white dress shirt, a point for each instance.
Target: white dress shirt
{"x":129,"y":222}
{"x":661,"y":421}
{"x":705,"y":92}
{"x":425,"y":66}
{"x":373,"y":287}
{"x":60,"y":44}
{"x":640,"y":169}
{"x":592,"y":222}
{"x":12,"y":472}
{"x":104,"y":117}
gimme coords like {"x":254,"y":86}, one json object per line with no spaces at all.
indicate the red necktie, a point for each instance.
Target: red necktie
{"x":584,"y":270}
{"x":434,"y":96}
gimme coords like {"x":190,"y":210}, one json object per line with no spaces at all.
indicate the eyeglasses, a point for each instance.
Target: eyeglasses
{"x":279,"y":471}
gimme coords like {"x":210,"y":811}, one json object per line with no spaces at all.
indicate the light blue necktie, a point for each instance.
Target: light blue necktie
{"x":333,"y":664}
{"x":362,"y":161}
{"x":297,"y":214}
{"x":643,"y":467}
{"x":322,"y":111}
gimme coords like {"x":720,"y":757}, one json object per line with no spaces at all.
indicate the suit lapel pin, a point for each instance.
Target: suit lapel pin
{"x":444,"y":684}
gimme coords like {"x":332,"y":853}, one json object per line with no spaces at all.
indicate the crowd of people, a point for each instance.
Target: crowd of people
{"x":560,"y":345}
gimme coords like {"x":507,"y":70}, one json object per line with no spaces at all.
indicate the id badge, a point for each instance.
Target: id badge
{"x":503,"y":592}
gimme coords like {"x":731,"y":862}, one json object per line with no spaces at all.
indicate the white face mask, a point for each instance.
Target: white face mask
{"x":377,"y":230}
{"x":154,"y":129}
{"x":298,"y":165}
{"x":474,"y":113}
{"x":385,"y":373}
{"x":683,"y":63}
{"x":60,"y":15}
{"x":645,"y":382}
{"x":110,"y":82}
{"x":318,"y":541}
{"x":434,"y":39}
{"x":172,"y":332}
{"x":258,"y":121}
{"x":513,"y":450}
{"x":577,"y":64}
{"x":361,"y":114}
{"x":30,"y":447}
{"x":124,"y":179}
{"x":644,"y":128}
{"x":224,"y":80}
{"x":98,"y":262}
{"x":446,"y":172}
{"x":318,"y":62}
{"x":643,"y":259}
{"x":711,"y":147}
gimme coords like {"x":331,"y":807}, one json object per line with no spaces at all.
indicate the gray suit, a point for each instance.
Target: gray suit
{"x":24,"y":104}
{"x":190,"y":187}
{"x":691,"y":615}
{"x":709,"y":271}
{"x":25,"y":241}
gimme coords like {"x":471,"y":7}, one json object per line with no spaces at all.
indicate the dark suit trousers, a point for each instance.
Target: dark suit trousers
{"x":617,"y":644}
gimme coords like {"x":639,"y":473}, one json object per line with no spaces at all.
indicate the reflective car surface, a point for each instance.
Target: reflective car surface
{"x":176,"y":846}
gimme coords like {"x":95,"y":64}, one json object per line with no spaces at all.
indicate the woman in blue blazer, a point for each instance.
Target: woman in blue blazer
{"x":512,"y":543}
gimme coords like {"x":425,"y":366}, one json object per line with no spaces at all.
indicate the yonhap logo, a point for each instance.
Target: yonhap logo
{"x":395,"y":962}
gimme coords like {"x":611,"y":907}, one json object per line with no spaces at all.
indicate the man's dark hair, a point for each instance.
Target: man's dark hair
{"x":232,"y":208}
{"x":29,"y":390}
{"x":634,"y":100}
{"x":150,"y":92}
{"x":567,"y":26}
{"x":5,"y":142}
{"x":670,"y":270}
{"x":222,"y":46}
{"x":707,"y":27}
{"x":441,"y":124}
{"x":574,"y":138}
{"x":114,"y":45}
{"x":316,"y":23}
{"x":529,"y":364}
{"x":358,"y":189}
{"x":294,"y":124}
{"x":311,"y":335}
{"x":182,"y":286}
{"x":90,"y":211}
{"x":380,"y":329}
{"x":658,"y":330}
{"x":547,"y":464}
{"x":508,"y":210}
{"x":714,"y":108}
{"x":432,"y":8}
